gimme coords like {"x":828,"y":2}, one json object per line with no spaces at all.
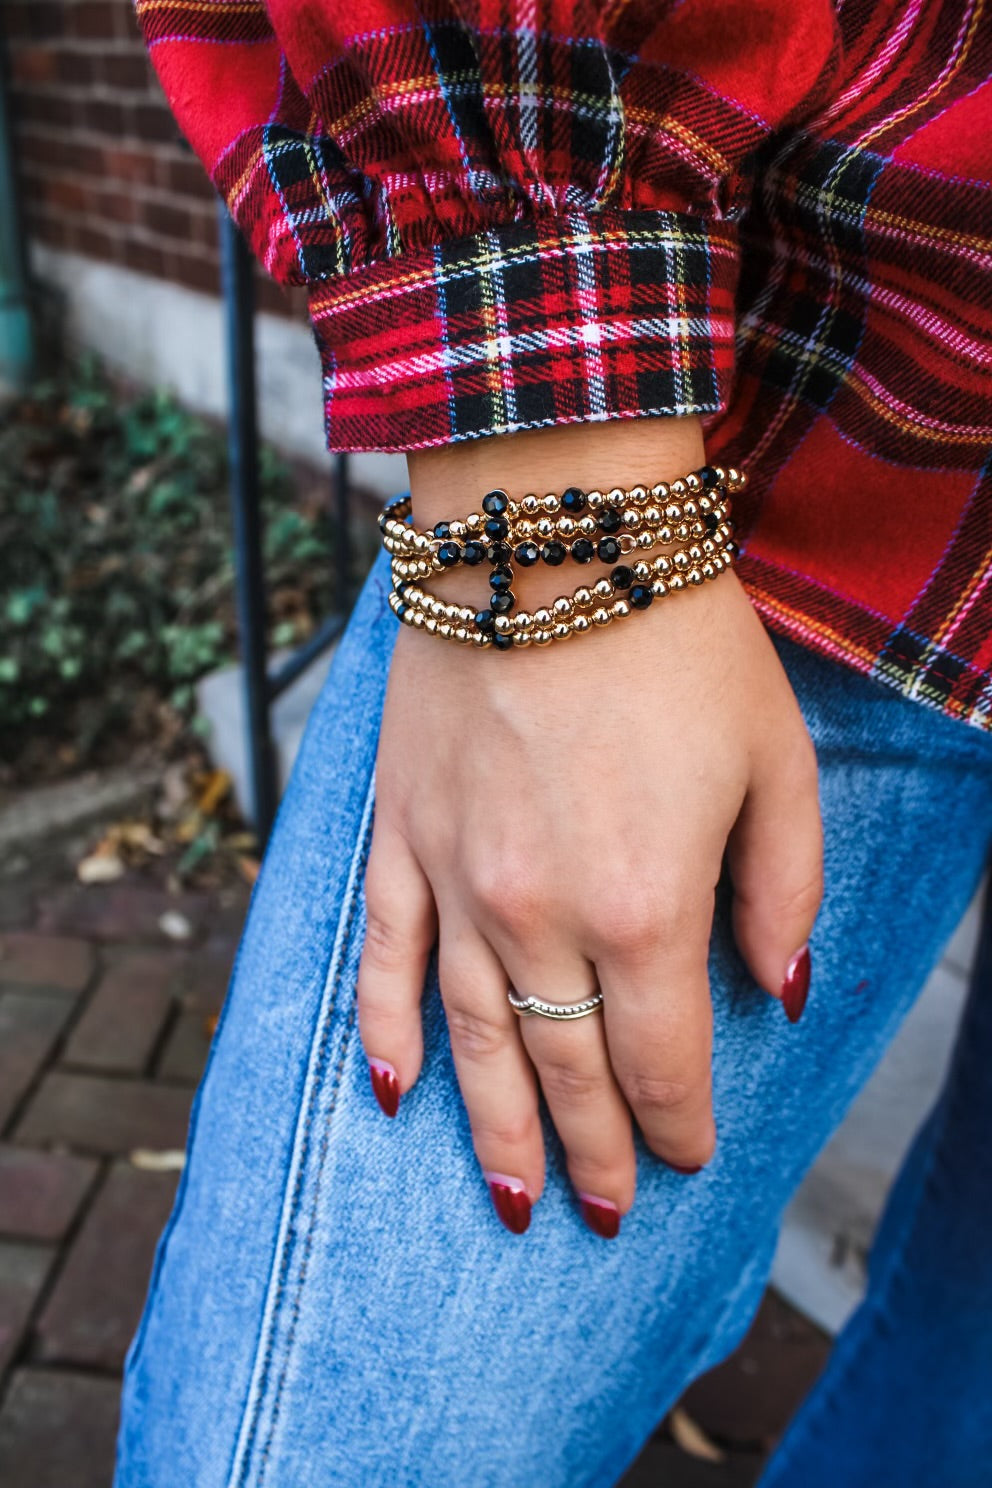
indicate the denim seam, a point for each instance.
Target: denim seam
{"x":245,"y":1440}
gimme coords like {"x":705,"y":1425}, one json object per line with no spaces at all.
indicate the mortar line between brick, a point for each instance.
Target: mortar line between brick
{"x":82,"y":1000}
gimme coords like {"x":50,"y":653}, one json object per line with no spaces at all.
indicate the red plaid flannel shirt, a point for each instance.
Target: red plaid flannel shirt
{"x":773,"y":213}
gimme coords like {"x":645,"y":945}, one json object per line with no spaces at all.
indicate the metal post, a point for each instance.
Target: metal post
{"x":16,"y":336}
{"x":237,"y":267}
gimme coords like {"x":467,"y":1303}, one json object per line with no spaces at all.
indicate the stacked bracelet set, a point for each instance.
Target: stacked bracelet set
{"x":575,"y":527}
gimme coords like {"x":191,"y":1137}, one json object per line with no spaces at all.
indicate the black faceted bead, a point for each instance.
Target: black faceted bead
{"x":502,"y":641}
{"x":495,"y":503}
{"x":573,"y":500}
{"x":622,"y":577}
{"x":499,"y":552}
{"x":496,"y":528}
{"x":609,"y":519}
{"x":449,"y":553}
{"x":442,"y":529}
{"x":527,"y":554}
{"x":484,"y":620}
{"x":503,"y":603}
{"x":711,"y":522}
{"x":608,"y":549}
{"x":475,"y":551}
{"x":554,"y":553}
{"x":708,"y":476}
{"x":401,"y":610}
{"x":582,"y":550}
{"x":640,"y":596}
{"x":500,"y":579}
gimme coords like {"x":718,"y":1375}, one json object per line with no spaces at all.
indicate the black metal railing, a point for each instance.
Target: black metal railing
{"x":262,"y":687}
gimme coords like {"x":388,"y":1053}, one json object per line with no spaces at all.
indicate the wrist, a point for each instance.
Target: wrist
{"x":450,"y":482}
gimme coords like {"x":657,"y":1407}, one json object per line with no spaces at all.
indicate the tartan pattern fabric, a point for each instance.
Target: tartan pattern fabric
{"x":517,"y":213}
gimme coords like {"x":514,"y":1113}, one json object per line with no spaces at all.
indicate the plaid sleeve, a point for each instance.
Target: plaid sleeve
{"x":506,"y":216}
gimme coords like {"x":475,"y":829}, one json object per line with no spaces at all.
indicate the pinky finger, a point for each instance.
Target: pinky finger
{"x":401,"y":929}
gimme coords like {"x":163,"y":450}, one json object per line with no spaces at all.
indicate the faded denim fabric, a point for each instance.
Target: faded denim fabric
{"x":334,"y":1301}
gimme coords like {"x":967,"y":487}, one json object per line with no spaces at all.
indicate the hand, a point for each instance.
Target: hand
{"x":556,"y":820}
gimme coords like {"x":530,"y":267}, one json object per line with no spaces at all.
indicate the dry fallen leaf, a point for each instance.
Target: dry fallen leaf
{"x":212,"y":790}
{"x":249,"y":869}
{"x":104,"y":864}
{"x":692,"y":1438}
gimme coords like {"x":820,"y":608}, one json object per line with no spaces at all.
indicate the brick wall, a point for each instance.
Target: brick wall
{"x":102,"y":168}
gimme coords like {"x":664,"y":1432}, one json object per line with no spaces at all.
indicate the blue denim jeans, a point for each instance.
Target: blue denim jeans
{"x":334,"y":1300}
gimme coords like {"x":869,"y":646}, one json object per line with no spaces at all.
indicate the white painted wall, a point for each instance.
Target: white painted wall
{"x":167,"y":336}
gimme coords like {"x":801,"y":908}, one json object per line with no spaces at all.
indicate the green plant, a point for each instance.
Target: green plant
{"x":116,"y":569}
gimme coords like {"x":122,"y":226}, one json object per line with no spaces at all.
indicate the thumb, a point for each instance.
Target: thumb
{"x":775,"y":857}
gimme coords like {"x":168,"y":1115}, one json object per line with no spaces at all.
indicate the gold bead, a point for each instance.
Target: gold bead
{"x":695,"y":553}
{"x":418,"y":619}
{"x":582,"y":597}
{"x":545,"y":527}
{"x":659,"y":588}
{"x":588,"y":525}
{"x":645,"y":539}
{"x":550,"y":502}
{"x":561,"y":631}
{"x":708,"y":545}
{"x":673,"y":512}
{"x":603,"y":589}
{"x":665,"y":534}
{"x":601,"y":616}
{"x":456,"y":529}
{"x":682,"y":531}
{"x":641,"y":570}
{"x":431,"y":624}
{"x":733,"y":475}
{"x":461,"y":634}
{"x":522,"y":638}
{"x":523,"y":620}
{"x":452,"y":612}
{"x":478,"y":638}
{"x":620,"y":608}
{"x":631,"y":517}
{"x":681,"y":559}
{"x":704,"y":502}
{"x":663,"y":563}
{"x":523,"y":529}
{"x":638,"y":494}
{"x":676,"y":582}
{"x":708,"y":571}
{"x":580,"y":622}
{"x":542,"y":617}
{"x":678,"y":488}
{"x":446,"y":629}
{"x":595,"y":499}
{"x":660,"y":491}
{"x":542,"y":637}
{"x":466,"y":613}
{"x":692,"y":481}
{"x":566,"y":526}
{"x":503,"y":623}
{"x":652,"y":515}
{"x":616,"y":497}
{"x":694,"y":576}
{"x":562,"y":607}
{"x":690,"y":508}
{"x":473,"y":520}
{"x":421,"y":543}
{"x":530,"y":503}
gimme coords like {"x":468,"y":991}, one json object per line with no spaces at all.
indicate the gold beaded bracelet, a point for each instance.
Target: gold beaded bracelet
{"x":688,"y":509}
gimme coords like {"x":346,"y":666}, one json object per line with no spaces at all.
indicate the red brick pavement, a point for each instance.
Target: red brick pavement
{"x":104,"y":1029}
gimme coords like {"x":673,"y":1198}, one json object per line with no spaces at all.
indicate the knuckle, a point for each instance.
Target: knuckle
{"x":564,"y":1081}
{"x":648,"y":1092}
{"x":386,"y":946}
{"x":475,"y":1034}
{"x":507,"y":893}
{"x":514,"y":1130}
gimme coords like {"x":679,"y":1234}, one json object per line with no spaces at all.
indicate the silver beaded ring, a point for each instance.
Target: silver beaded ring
{"x":560,"y":1011}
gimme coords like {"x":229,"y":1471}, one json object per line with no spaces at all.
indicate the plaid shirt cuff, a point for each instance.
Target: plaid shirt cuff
{"x":567,"y":320}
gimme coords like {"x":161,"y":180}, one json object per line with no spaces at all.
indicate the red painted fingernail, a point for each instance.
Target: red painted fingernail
{"x":602,"y":1217}
{"x":795,"y":988}
{"x":687,"y":1171}
{"x":510,"y":1200}
{"x":385,"y":1085}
